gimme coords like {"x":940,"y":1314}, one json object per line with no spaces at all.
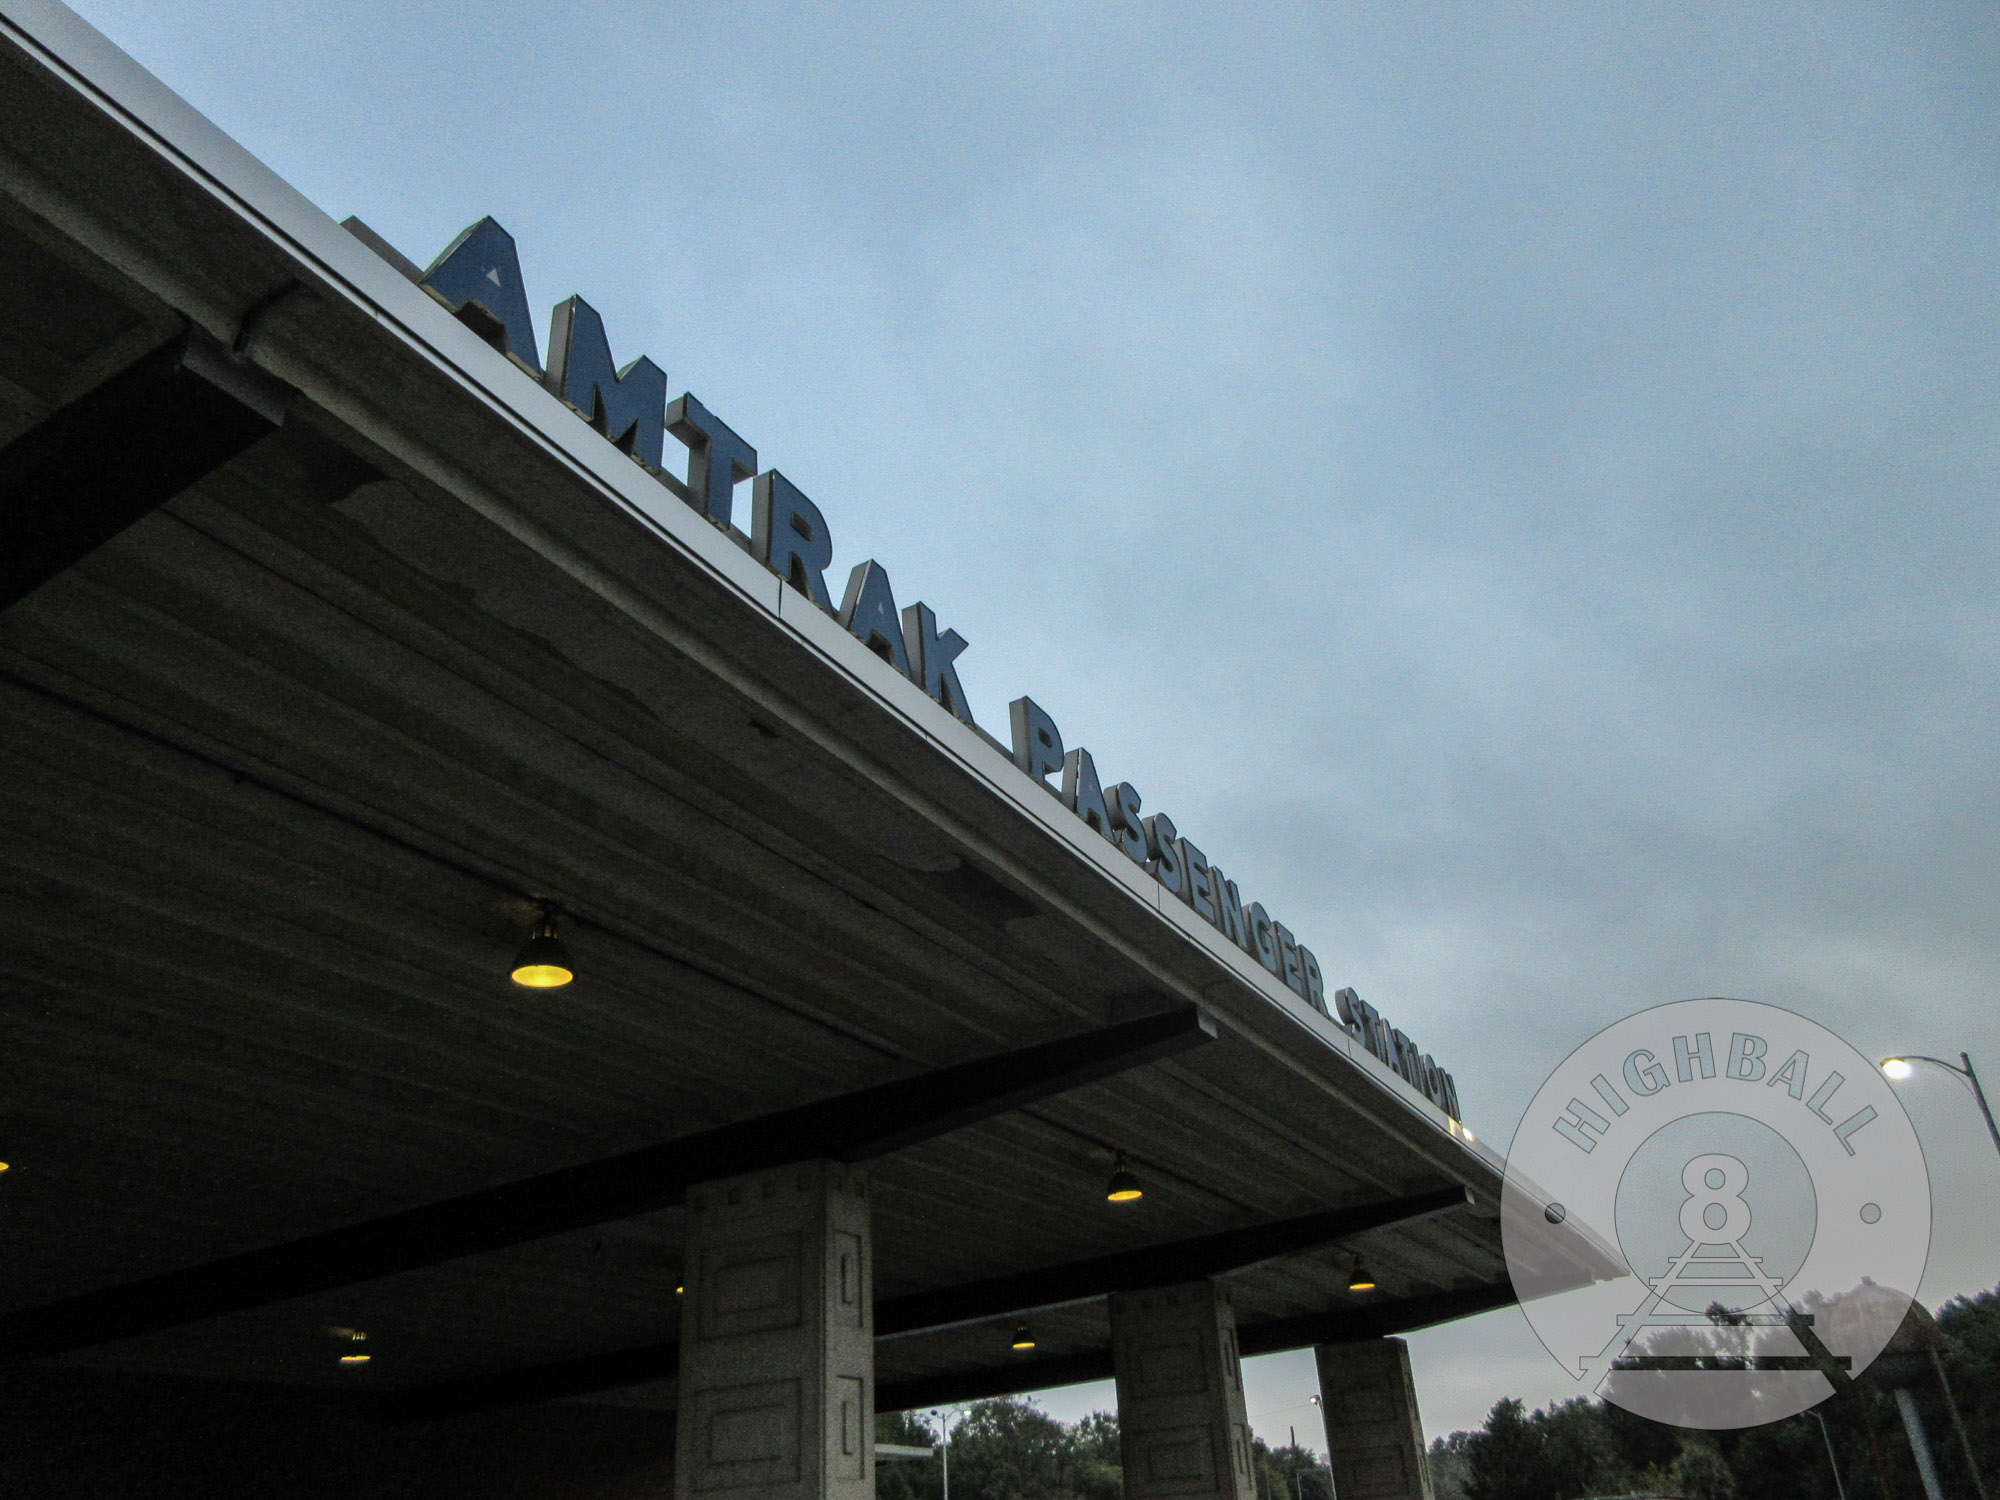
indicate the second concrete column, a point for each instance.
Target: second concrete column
{"x":1374,"y":1436}
{"x":777,"y":1386}
{"x":1182,"y":1429}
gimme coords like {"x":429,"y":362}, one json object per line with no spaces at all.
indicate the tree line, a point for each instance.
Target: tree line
{"x":1583,"y":1448}
{"x":1013,"y":1450}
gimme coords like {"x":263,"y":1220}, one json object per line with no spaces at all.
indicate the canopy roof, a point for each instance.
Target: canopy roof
{"x":291,"y":759}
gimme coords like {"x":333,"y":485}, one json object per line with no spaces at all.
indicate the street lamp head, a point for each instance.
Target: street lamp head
{"x":1899,"y":1068}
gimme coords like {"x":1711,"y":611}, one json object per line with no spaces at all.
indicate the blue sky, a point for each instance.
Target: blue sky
{"x":1515,"y":482}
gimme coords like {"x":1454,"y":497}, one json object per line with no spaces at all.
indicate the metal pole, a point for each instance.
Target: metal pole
{"x":1832,"y":1463}
{"x":1963,"y":1067}
{"x":1980,"y":1094}
{"x":1331,"y":1493}
{"x":1958,"y":1422}
{"x":1920,"y":1446}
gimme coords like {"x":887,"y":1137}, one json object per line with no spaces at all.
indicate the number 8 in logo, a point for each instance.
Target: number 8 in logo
{"x":1715,"y":1213}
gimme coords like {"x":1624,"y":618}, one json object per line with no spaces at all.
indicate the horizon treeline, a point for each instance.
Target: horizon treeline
{"x":1583,"y":1448}
{"x":1010,"y":1449}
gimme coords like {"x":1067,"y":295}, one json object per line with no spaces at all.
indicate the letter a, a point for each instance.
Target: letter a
{"x":868,"y":610}
{"x":479,"y":278}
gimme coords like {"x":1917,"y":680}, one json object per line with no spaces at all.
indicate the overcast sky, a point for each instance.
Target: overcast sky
{"x":1516,"y":483}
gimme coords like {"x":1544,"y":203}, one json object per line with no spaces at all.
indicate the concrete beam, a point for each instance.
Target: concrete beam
{"x":120,"y":451}
{"x":1077,"y":1281}
{"x":1371,"y":1320}
{"x":1154,"y":1265}
{"x":849,"y":1128}
{"x":1270,"y":1337}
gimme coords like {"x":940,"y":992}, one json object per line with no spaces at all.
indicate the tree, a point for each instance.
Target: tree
{"x":1594,"y":1448}
{"x":900,"y":1479}
{"x":1700,"y":1473}
{"x":1009,"y":1450}
{"x":1451,"y":1466}
{"x":1097,"y":1467}
{"x":1289,"y":1473}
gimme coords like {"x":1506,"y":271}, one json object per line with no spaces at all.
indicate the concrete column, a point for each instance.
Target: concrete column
{"x":777,"y":1388}
{"x":1181,"y":1426}
{"x":1373,"y":1433}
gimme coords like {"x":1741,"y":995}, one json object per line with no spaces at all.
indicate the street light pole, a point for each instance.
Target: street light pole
{"x":1980,"y":1094}
{"x":1839,"y":1487}
{"x":1899,"y":1068}
{"x":1319,"y":1406}
{"x":944,"y":1447}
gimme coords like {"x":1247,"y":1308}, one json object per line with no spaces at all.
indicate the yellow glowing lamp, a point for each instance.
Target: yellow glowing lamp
{"x":543,"y":962}
{"x":1123,"y":1187}
{"x":1360,"y":1281}
{"x":1022,"y":1338}
{"x":1897,"y":1068}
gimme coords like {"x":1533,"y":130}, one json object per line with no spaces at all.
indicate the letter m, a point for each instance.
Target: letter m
{"x":628,"y":406}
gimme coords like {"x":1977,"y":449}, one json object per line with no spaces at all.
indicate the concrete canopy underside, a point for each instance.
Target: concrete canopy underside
{"x":289,"y":761}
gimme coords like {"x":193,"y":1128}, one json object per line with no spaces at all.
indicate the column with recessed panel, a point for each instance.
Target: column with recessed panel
{"x":1181,"y":1423}
{"x":777,"y":1370}
{"x":1374,"y":1436}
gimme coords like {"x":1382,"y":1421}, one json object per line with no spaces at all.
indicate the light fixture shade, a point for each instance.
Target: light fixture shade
{"x":1022,"y":1338}
{"x":1897,"y":1068}
{"x":1360,"y":1281}
{"x":543,"y":962}
{"x":1123,"y":1186}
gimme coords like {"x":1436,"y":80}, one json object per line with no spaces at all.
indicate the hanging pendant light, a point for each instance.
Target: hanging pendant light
{"x":1360,"y":1280}
{"x":1123,"y":1187}
{"x":543,"y":962}
{"x":1022,"y":1338}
